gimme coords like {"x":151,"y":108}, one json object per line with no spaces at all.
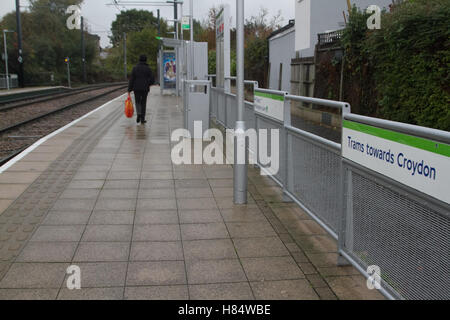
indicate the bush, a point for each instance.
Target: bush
{"x":403,"y":68}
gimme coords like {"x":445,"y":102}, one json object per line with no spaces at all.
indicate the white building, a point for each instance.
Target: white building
{"x":281,"y":52}
{"x":313,"y":17}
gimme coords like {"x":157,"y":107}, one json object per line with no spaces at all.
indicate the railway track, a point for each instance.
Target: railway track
{"x":26,"y":101}
{"x":49,"y":93}
{"x":12,"y":146}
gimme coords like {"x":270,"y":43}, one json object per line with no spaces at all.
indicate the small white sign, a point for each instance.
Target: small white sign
{"x":419,"y":163}
{"x":186,"y":23}
{"x":270,"y":105}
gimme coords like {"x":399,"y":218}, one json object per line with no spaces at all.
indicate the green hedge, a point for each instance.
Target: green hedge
{"x":403,"y":69}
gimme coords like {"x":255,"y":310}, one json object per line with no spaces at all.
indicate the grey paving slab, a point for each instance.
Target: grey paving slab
{"x":197,"y":204}
{"x":96,"y":175}
{"x":204,"y":231}
{"x":200,"y":216}
{"x":157,"y":194}
{"x":214,"y":271}
{"x":58,"y":233}
{"x":221,"y":291}
{"x":156,"y":217}
{"x":156,"y":273}
{"x":60,"y":218}
{"x":85,"y":294}
{"x":284,"y":290}
{"x":156,"y":251}
{"x":48,"y":252}
{"x":157,"y":184}
{"x":156,"y":204}
{"x":121,"y":184}
{"x":118,"y":194}
{"x":273,"y":268}
{"x":157,"y":293}
{"x":156,"y":233}
{"x":250,"y":229}
{"x":101,"y":275}
{"x":74,"y":205}
{"x":245,"y":215}
{"x":260,"y":247}
{"x":86,"y":184}
{"x":116,"y":204}
{"x":157,"y":175}
{"x":80,"y":194}
{"x":190,"y":183}
{"x":102,"y":252}
{"x":187,"y":193}
{"x":209,"y":250}
{"x":107,"y":233}
{"x":124,"y":175}
{"x":28,"y":294}
{"x":112,"y":218}
{"x":34,"y":276}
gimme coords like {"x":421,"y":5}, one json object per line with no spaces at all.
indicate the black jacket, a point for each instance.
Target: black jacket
{"x":141,"y":78}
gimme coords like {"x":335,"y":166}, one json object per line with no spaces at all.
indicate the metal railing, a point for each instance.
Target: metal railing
{"x":376,"y":220}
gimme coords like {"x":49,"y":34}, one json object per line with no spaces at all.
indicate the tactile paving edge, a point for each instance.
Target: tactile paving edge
{"x":26,"y":213}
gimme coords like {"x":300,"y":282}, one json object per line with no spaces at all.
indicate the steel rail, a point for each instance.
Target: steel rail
{"x":20,"y":97}
{"x":44,"y":115}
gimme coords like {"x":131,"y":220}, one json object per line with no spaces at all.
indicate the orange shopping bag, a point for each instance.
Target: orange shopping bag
{"x":129,"y":109}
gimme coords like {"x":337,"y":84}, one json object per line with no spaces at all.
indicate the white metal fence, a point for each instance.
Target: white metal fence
{"x":376,"y":220}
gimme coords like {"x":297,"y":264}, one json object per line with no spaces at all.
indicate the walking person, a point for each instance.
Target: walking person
{"x":141,"y":80}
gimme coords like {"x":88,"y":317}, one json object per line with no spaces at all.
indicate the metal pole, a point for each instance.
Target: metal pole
{"x":159,"y":22}
{"x":6,"y":60}
{"x":175,"y":17}
{"x":125,"y":55}
{"x":181,"y":25}
{"x":83,"y":50}
{"x":68,"y":74}
{"x":191,"y":21}
{"x":19,"y":40}
{"x":240,"y":154}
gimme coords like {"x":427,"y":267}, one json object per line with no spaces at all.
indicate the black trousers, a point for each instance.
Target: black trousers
{"x":141,"y":103}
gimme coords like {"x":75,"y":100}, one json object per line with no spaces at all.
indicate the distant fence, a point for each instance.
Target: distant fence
{"x":376,"y":219}
{"x":13,"y":81}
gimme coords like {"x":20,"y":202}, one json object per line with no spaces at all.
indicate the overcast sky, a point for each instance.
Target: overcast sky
{"x":99,"y":15}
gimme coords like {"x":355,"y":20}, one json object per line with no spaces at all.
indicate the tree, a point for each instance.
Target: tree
{"x":133,"y":21}
{"x":143,"y":42}
{"x":47,"y":41}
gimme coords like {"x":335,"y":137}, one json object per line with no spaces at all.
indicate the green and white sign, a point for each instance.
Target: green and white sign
{"x":271,"y":105}
{"x":419,"y":163}
{"x":186,"y":23}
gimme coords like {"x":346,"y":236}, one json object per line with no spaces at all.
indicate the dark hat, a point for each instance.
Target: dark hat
{"x":143,"y":58}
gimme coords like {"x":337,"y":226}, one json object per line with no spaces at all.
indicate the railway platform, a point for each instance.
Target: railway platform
{"x":102,"y":194}
{"x":4,"y":92}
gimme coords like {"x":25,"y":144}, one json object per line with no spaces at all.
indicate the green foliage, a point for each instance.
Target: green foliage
{"x":256,"y":55}
{"x":407,"y":62}
{"x":212,"y":62}
{"x":47,"y":41}
{"x":133,"y":21}
{"x":143,"y":42}
{"x":142,"y":29}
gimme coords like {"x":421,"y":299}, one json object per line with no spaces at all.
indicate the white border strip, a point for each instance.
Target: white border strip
{"x":10,"y":163}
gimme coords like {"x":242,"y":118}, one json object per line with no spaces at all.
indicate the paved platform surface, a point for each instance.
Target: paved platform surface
{"x":105,"y":196}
